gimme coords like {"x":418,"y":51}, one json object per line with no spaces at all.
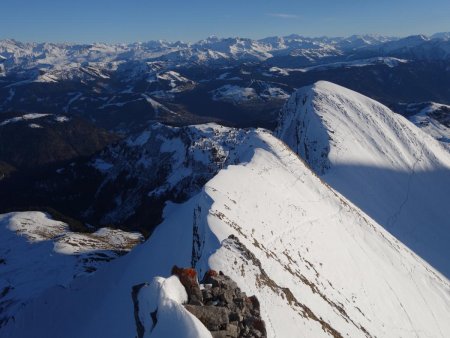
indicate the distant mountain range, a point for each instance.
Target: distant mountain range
{"x":233,"y":81}
{"x":45,"y":56}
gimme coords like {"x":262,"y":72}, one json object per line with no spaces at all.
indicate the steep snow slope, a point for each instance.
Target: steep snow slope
{"x":318,"y":265}
{"x":38,"y":253}
{"x":377,"y":159}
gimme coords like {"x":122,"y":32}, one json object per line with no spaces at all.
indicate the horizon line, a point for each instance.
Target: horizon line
{"x":226,"y":38}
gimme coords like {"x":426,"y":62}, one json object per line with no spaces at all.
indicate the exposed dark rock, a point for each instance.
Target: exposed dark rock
{"x":215,"y":318}
{"x":227,"y":312}
{"x":140,"y":329}
{"x":188,"y":277}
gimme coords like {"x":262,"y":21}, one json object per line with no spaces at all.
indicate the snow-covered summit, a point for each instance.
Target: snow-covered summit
{"x":378,"y":160}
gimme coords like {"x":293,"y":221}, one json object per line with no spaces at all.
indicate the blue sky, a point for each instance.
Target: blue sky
{"x":191,"y":20}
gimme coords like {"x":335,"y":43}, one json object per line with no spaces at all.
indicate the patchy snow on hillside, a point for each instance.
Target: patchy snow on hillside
{"x":175,"y":81}
{"x":173,"y":77}
{"x":25,"y":117}
{"x":62,"y":118}
{"x":234,"y":94}
{"x":31,"y":117}
{"x":157,"y":107}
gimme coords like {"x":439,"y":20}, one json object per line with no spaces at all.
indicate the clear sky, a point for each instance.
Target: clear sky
{"x":191,"y":20}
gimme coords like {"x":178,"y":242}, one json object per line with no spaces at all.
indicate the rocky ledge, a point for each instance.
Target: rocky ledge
{"x":220,"y":304}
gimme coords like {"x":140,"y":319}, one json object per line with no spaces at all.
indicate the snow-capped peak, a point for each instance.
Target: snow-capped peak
{"x":378,"y":160}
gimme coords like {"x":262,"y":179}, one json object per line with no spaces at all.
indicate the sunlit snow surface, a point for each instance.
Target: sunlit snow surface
{"x":317,"y":264}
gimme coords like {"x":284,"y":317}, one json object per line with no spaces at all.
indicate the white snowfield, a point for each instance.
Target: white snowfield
{"x":38,"y":253}
{"x":319,"y":266}
{"x":380,"y":161}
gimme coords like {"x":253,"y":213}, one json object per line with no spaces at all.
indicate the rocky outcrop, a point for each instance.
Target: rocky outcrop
{"x":140,"y":329}
{"x":220,"y":305}
{"x":188,"y":277}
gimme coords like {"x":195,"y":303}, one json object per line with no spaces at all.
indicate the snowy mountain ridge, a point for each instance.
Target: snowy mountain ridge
{"x":51,"y":62}
{"x":299,"y":222}
{"x":282,"y":234}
